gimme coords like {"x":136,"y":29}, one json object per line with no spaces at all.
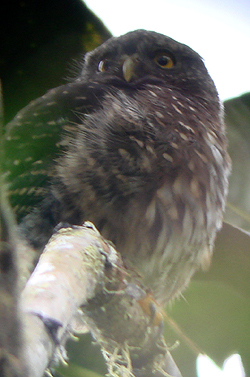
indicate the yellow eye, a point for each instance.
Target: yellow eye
{"x":164,"y":60}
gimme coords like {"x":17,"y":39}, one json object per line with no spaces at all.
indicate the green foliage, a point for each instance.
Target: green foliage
{"x":216,"y":311}
{"x":40,"y":42}
{"x":77,"y":371}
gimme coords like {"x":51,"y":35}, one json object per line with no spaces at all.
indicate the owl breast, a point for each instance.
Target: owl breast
{"x":150,"y":170}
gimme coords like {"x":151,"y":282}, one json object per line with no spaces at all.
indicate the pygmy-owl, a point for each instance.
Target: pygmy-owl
{"x":136,"y":144}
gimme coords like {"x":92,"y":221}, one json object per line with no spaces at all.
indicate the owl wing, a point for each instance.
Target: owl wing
{"x":38,"y":134}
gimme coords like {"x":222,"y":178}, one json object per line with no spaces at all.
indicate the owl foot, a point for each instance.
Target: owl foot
{"x":152,"y":309}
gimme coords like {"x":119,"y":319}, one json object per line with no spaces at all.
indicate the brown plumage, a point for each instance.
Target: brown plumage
{"x":136,"y":144}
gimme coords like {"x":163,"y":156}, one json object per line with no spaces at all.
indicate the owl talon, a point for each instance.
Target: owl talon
{"x":152,"y":309}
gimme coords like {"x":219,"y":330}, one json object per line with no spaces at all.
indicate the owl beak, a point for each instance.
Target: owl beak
{"x":129,"y":67}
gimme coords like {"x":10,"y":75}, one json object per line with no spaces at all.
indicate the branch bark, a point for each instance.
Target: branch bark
{"x":80,"y":281}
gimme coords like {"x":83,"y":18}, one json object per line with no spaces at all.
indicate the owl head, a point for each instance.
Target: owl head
{"x":144,"y":57}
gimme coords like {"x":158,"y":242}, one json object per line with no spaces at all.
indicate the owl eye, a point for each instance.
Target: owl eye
{"x":103,"y":65}
{"x":164,"y":60}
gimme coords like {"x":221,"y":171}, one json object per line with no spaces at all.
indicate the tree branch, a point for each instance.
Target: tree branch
{"x":80,"y":281}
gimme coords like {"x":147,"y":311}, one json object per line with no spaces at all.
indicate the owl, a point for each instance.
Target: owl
{"x":135,"y":144}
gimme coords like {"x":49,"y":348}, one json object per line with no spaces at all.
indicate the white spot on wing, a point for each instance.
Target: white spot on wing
{"x":176,"y":109}
{"x":167,"y":157}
